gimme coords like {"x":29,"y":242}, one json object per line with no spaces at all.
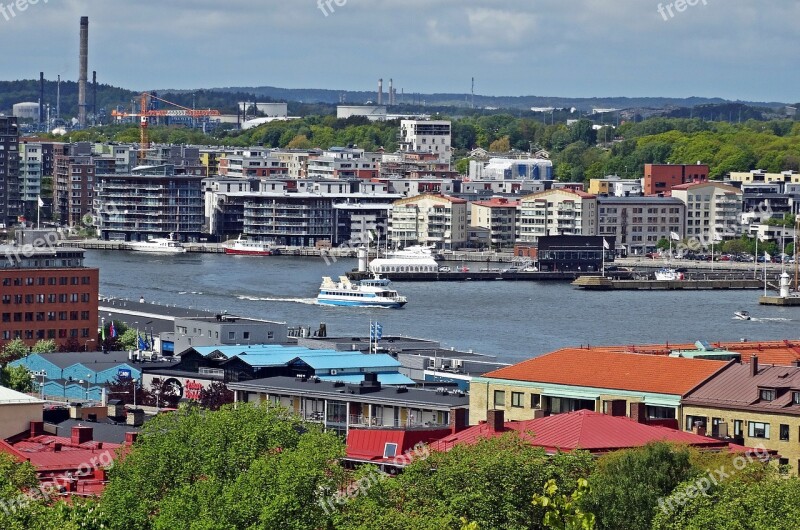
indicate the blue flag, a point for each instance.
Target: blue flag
{"x":142,"y":343}
{"x":378,"y":331}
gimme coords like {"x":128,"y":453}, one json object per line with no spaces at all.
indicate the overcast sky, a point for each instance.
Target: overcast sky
{"x":736,"y":49}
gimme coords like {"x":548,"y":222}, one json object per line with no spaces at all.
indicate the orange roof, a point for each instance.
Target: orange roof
{"x":615,"y":370}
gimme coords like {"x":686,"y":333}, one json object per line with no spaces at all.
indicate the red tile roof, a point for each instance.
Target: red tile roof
{"x":587,"y":430}
{"x":613,"y":370}
{"x":497,"y":203}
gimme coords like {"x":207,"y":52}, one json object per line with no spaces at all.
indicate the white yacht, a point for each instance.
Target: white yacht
{"x":366,"y":293}
{"x":410,"y":259}
{"x":669,"y":275}
{"x":243,"y":246}
{"x":159,"y":245}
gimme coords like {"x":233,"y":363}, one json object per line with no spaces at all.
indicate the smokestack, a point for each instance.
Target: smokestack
{"x":83,"y":71}
{"x":380,"y":91}
{"x":391,"y":91}
{"x":58,"y":97}
{"x":41,"y":99}
{"x":94,"y":96}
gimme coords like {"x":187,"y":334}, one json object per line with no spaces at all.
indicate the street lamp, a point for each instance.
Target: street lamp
{"x":42,"y":374}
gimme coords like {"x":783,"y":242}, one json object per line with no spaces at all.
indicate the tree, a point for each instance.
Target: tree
{"x":563,"y":512}
{"x":16,"y":349}
{"x":45,"y":346}
{"x":15,"y":479}
{"x":72,"y":344}
{"x":663,"y":244}
{"x":490,"y":484}
{"x":123,"y":389}
{"x":300,"y":141}
{"x":501,"y":145}
{"x":16,"y":378}
{"x":260,"y":467}
{"x":462,"y":166}
{"x":627,"y":485}
{"x":128,"y":340}
{"x":215,"y":396}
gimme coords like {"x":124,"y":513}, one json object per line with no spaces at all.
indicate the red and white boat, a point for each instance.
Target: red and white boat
{"x":246,"y":247}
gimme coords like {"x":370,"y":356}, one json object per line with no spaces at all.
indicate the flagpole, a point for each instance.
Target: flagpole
{"x":755,"y":259}
{"x":765,"y":273}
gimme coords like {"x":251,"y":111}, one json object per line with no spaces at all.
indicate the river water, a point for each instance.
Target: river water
{"x":513,"y":320}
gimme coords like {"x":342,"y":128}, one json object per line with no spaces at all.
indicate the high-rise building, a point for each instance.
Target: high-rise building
{"x":426,"y":136}
{"x":9,"y":170}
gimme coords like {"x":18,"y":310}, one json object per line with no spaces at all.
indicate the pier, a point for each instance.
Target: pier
{"x":599,"y":283}
{"x":481,"y":276}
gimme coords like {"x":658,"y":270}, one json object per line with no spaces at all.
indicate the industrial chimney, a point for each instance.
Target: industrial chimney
{"x":41,"y":99}
{"x":83,"y":72}
{"x":94,"y":97}
{"x":391,"y":91}
{"x":380,"y":91}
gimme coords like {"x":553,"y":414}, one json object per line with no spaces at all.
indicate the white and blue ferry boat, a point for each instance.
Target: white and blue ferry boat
{"x":372,"y":292}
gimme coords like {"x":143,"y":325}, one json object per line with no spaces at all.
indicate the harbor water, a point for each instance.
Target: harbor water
{"x":513,"y":320}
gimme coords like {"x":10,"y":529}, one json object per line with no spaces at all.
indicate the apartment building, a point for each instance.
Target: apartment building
{"x":296,"y":160}
{"x":150,"y":202}
{"x":37,"y":160}
{"x":615,"y":186}
{"x":556,"y":212}
{"x":427,"y":136}
{"x":661,"y":178}
{"x":713,"y":210}
{"x":9,"y":171}
{"x":499,"y":216}
{"x":252,"y":163}
{"x":761,"y":176}
{"x":511,"y":168}
{"x":344,"y":163}
{"x":48,"y":294}
{"x":428,"y":219}
{"x":637,"y":224}
{"x":74,"y":182}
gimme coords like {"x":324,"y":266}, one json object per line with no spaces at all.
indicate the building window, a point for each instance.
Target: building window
{"x":499,"y":398}
{"x":796,"y":398}
{"x":231,"y":335}
{"x":759,"y":430}
{"x":389,"y":450}
{"x":737,"y":428}
{"x":516,"y":400}
{"x":270,"y":334}
{"x":695,"y":421}
{"x":536,"y":401}
{"x":784,"y":432}
{"x":245,"y":335}
{"x":767,"y":394}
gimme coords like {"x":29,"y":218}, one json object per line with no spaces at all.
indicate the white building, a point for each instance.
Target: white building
{"x":511,"y":169}
{"x":26,"y":110}
{"x":371,"y":112}
{"x":429,"y":219}
{"x":430,"y":136}
{"x":713,"y":210}
{"x":557,"y":212}
{"x":17,"y":411}
{"x":269,"y":110}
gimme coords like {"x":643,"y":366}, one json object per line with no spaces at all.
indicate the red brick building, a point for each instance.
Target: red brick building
{"x":48,"y":294}
{"x":661,"y":178}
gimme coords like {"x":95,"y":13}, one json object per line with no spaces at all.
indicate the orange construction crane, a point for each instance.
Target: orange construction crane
{"x":145,"y":114}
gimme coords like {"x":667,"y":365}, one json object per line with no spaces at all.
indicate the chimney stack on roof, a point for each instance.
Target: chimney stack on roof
{"x":639,"y":412}
{"x":37,"y":428}
{"x":496,"y":420}
{"x":754,"y":366}
{"x":130,"y":437}
{"x":459,"y":420}
{"x":81,"y":435}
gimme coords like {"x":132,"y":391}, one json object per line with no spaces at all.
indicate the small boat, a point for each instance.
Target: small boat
{"x":742,"y":315}
{"x":668,"y":275}
{"x":159,"y":245}
{"x":366,"y":293}
{"x":243,"y":246}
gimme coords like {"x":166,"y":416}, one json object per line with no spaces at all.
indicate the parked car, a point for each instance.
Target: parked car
{"x":445,"y":269}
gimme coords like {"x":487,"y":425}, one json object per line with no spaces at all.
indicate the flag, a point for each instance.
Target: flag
{"x":41,"y":202}
{"x":103,"y":332}
{"x":675,"y":237}
{"x":372,"y":331}
{"x":112,"y":332}
{"x":152,"y":340}
{"x":142,"y":343}
{"x":767,"y":257}
{"x":605,"y":244}
{"x":378,"y":331}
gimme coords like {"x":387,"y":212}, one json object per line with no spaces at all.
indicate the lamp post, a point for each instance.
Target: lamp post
{"x":42,"y":374}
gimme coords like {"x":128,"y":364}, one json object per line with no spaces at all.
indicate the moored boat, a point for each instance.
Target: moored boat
{"x":247,"y":247}
{"x":159,"y":245}
{"x":669,"y":275}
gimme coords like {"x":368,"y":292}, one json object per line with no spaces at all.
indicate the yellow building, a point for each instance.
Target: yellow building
{"x":759,"y":176}
{"x":429,"y":219}
{"x":645,"y":386}
{"x":752,"y":405}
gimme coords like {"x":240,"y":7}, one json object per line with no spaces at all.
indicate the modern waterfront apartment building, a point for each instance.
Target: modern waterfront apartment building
{"x":428,"y":219}
{"x":9,"y":171}
{"x":499,"y":216}
{"x":427,"y":136}
{"x":149,"y":202}
{"x":557,"y":212}
{"x":713,"y":211}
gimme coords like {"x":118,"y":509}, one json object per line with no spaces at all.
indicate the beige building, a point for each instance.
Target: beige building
{"x":499,"y":217}
{"x":17,"y":411}
{"x":556,"y":212}
{"x":713,"y":210}
{"x":752,"y":405}
{"x":757,"y":176}
{"x":428,"y":219}
{"x":639,"y":223}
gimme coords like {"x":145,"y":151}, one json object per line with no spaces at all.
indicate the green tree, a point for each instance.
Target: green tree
{"x":462,"y":166}
{"x":13,"y":350}
{"x":260,"y":467}
{"x":663,"y":244}
{"x":45,"y":346}
{"x":215,"y":396}
{"x":627,"y":485}
{"x":501,"y":145}
{"x":16,"y":378}
{"x":15,"y":480}
{"x":563,"y":512}
{"x":128,"y":340}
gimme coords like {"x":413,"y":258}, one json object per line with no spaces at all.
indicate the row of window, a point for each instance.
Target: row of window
{"x":755,"y":429}
{"x":62,"y":298}
{"x":517,"y":399}
{"x":45,"y":333}
{"x":63,"y":280}
{"x":41,"y":316}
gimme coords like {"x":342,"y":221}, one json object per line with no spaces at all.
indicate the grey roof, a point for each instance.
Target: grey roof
{"x":97,"y":361}
{"x":649,"y":199}
{"x":104,"y":431}
{"x":110,"y":304}
{"x":328,"y":390}
{"x":735,"y":388}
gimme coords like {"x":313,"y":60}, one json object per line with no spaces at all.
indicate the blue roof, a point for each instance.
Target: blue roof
{"x":350,"y":360}
{"x":237,"y":350}
{"x":390,"y":378}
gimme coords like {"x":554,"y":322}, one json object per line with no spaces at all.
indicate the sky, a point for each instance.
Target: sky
{"x":734,"y":49}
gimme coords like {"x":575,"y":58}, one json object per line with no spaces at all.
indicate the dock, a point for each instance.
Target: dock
{"x":481,"y":276}
{"x":595,"y":283}
{"x":789,"y":301}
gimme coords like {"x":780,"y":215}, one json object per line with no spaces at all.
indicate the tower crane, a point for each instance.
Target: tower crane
{"x":145,"y":113}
